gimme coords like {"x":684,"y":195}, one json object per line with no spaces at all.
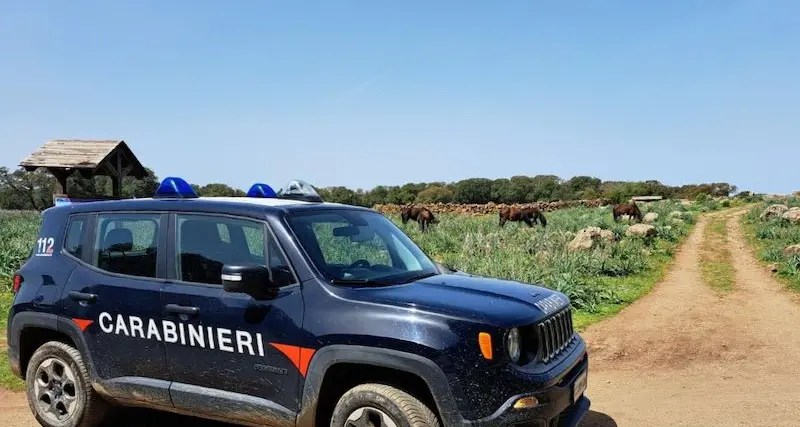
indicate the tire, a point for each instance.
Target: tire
{"x":59,"y":389}
{"x":369,"y":403}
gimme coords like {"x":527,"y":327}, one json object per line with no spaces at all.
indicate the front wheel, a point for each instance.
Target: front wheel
{"x":59,"y":391}
{"x":378,"y":405}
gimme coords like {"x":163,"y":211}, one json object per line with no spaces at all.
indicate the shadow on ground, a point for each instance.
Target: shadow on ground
{"x":147,"y":418}
{"x":597,"y":419}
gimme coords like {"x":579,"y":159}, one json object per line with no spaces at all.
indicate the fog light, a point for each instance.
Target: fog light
{"x":526,"y":402}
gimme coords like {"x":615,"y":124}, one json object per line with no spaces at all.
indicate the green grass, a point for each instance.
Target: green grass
{"x":770,"y":236}
{"x":600,"y":282}
{"x":8,"y":380}
{"x":716,"y":263}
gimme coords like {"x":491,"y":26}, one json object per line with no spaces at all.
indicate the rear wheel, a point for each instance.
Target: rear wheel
{"x":378,"y":405}
{"x":59,"y":391}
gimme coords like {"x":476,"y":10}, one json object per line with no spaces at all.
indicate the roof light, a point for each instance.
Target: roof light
{"x":299,"y":190}
{"x":261,"y":190}
{"x":173,"y":187}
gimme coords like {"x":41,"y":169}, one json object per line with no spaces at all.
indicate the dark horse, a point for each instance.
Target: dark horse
{"x":422,"y":215}
{"x":629,"y":209}
{"x":528,"y":215}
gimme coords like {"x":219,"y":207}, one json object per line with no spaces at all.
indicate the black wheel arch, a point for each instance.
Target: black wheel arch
{"x":47,"y":327}
{"x":329,"y":356}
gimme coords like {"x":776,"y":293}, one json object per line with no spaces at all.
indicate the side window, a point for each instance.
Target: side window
{"x":73,"y":243}
{"x":127,"y":243}
{"x":205,"y":243}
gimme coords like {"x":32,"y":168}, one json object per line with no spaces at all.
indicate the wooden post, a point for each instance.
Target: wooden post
{"x":116,"y":180}
{"x":61,"y":181}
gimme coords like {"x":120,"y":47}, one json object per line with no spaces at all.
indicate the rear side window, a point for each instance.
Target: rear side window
{"x":127,"y":243}
{"x":73,"y":243}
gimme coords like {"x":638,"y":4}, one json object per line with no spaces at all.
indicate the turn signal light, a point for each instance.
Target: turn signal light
{"x":526,"y":402}
{"x":485,"y":343}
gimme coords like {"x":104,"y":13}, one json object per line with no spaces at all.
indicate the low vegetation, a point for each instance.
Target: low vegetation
{"x":776,"y":237}
{"x":600,"y":279}
{"x":716,"y":264}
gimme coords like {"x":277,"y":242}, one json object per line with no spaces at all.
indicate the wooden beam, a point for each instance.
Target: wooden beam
{"x":117,"y":180}
{"x":61,"y":181}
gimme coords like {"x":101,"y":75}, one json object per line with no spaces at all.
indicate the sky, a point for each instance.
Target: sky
{"x":371,"y":92}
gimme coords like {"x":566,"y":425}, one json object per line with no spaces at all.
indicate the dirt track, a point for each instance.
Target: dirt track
{"x":681,"y":356}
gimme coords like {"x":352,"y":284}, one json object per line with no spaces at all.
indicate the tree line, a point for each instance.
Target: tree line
{"x":22,"y":190}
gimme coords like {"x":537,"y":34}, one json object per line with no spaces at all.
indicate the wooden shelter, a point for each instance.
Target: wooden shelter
{"x":63,"y":157}
{"x":646,"y":199}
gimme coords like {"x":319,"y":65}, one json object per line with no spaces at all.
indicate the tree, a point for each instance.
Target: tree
{"x":22,"y":190}
{"x":435,"y":194}
{"x":473,"y":190}
{"x":219,"y":190}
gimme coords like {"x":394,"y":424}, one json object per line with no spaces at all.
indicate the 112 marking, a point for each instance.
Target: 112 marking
{"x":44,"y":246}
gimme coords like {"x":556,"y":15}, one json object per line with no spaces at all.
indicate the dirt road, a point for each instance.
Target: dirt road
{"x":684,"y":356}
{"x":680,"y":356}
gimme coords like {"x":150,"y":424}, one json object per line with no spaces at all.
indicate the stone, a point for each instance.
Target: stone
{"x":792,"y":250}
{"x":774,"y":211}
{"x":641,"y":230}
{"x":586,"y":238}
{"x":650,"y":217}
{"x":792,"y":215}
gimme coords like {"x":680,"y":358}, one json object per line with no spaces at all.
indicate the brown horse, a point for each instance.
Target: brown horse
{"x":527,"y":215}
{"x":422,"y":215}
{"x":629,"y":209}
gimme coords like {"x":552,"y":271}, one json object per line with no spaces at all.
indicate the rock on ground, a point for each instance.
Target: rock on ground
{"x":586,"y":238}
{"x":792,"y":215}
{"x":641,"y":230}
{"x":773,"y":211}
{"x":792,"y":250}
{"x":650,"y":217}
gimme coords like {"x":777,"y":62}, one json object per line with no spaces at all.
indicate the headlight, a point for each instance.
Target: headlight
{"x":513,"y":344}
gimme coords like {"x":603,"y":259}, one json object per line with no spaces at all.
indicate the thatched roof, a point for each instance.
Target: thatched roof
{"x":98,"y":156}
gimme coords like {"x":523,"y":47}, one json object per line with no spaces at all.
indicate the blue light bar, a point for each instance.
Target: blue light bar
{"x":261,"y":190}
{"x":173,"y":187}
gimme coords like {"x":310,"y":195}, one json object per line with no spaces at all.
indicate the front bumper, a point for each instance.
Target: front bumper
{"x":556,"y":407}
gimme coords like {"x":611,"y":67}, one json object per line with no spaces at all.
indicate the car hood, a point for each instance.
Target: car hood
{"x":502,"y":303}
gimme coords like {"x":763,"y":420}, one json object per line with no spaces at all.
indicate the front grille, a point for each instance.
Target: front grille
{"x":555,"y":334}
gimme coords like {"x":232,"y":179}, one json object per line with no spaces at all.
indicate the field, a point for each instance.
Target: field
{"x":771,"y":236}
{"x":600,"y":280}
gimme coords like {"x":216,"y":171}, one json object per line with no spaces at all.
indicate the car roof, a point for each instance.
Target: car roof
{"x":233,"y":205}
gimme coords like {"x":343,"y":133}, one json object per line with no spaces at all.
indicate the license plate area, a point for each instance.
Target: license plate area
{"x":578,"y":387}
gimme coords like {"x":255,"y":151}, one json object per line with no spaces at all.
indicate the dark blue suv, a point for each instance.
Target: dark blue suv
{"x":278,"y":309}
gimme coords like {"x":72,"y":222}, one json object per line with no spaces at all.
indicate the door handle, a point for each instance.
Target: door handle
{"x":83,"y":296}
{"x":182,"y":309}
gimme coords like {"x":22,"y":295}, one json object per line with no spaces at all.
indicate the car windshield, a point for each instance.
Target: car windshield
{"x":359,"y":247}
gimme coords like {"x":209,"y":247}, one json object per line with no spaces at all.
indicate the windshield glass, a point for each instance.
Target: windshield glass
{"x":359,"y":246}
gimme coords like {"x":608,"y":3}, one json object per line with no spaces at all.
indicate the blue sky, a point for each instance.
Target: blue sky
{"x":361,"y":93}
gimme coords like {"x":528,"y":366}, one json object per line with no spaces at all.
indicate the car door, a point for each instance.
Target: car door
{"x":114,"y":296}
{"x":230,"y":351}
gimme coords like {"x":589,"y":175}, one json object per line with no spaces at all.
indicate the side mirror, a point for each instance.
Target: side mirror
{"x":253,"y":280}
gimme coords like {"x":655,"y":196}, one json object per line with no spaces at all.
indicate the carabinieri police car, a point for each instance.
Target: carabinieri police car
{"x":279,"y":309}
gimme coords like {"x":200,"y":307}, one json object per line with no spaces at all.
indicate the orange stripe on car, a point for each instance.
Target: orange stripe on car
{"x":83,"y":323}
{"x":300,"y":356}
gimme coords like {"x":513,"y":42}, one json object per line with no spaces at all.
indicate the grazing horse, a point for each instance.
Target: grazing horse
{"x":528,"y":215}
{"x":422,"y":215}
{"x":629,"y":209}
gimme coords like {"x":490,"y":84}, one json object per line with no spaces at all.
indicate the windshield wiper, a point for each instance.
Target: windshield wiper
{"x":364,"y":282}
{"x":421,"y":276}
